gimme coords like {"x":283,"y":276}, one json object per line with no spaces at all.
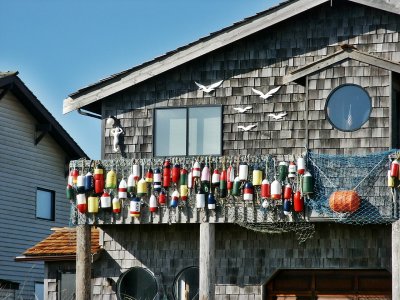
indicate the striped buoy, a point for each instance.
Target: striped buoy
{"x":248,"y":191}
{"x":149,"y":176}
{"x":301,"y":165}
{"x":276,"y":190}
{"x":162,"y":198}
{"x":236,"y":186}
{"x":122,"y":189}
{"x":111,"y":180}
{"x":153,"y":203}
{"x":157,"y":180}
{"x":81,"y":203}
{"x":80,"y":184}
{"x":105,"y":201}
{"x":196,"y":170}
{"x":134,"y":207}
{"x":216,"y":177}
{"x":174,"y":199}
{"x":116,"y":205}
{"x":141,"y":188}
{"x":265,"y":189}
{"x":211,"y":201}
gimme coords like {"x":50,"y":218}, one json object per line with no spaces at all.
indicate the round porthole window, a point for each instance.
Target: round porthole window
{"x":186,"y":284}
{"x":348,"y":107}
{"x":137,"y":283}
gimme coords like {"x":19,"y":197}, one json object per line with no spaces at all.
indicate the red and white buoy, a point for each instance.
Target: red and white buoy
{"x":394,"y":169}
{"x":243,"y":171}
{"x":301,"y":165}
{"x":122,"y":189}
{"x":248,"y":191}
{"x":215,"y":179}
{"x":105,"y":201}
{"x":81,"y":203}
{"x":292,"y":170}
{"x":196,"y":171}
{"x":265,"y":189}
{"x":287,"y":192}
{"x":153,"y":203}
{"x":276,"y":190}
{"x":116,"y":205}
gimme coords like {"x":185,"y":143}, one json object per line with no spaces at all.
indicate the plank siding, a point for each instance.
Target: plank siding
{"x":25,"y":167}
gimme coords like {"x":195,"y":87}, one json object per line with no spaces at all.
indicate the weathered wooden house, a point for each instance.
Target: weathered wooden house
{"x":34,"y":155}
{"x":337,"y":65}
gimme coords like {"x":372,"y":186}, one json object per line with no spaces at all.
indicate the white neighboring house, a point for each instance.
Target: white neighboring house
{"x":34,"y":155}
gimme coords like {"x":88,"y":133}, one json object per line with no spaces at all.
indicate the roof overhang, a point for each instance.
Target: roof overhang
{"x":346,"y":53}
{"x":84,"y":98}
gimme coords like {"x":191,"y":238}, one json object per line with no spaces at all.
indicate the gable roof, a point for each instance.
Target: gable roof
{"x":9,"y":81}
{"x":347,"y":52}
{"x":60,"y":245}
{"x":87,"y":96}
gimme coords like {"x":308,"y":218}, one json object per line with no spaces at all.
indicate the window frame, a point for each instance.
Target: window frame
{"x":187,"y":108}
{"x":53,"y":204}
{"x":329,"y":98}
{"x":37,"y":283}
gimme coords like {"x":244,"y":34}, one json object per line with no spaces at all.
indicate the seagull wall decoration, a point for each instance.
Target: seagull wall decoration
{"x":208,"y":88}
{"x":247,"y":128}
{"x":268,"y":94}
{"x":242,"y":110}
{"x":277,"y":116}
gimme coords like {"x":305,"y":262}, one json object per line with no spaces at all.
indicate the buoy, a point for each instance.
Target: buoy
{"x":69,"y":191}
{"x":190,"y":180}
{"x":292,"y":170}
{"x":282,"y":171}
{"x":287,"y":192}
{"x":141,"y":188}
{"x":70,"y":178}
{"x":391,"y":179}
{"x":162,"y":198}
{"x":134,"y":207}
{"x":276,"y":190}
{"x":116,"y":205}
{"x":174,"y":199}
{"x":265,"y":189}
{"x":149,"y":176}
{"x":98,"y":179}
{"x":248,"y":191}
{"x":184,"y":192}
{"x":257,"y":177}
{"x":183,"y":184}
{"x":205,"y":179}
{"x":215,"y":179}
{"x":298,"y":202}
{"x":230,"y":178}
{"x":122,"y":189}
{"x":89,"y":182}
{"x":105,"y":201}
{"x":223,"y":191}
{"x":80,"y":184}
{"x":264,"y":204}
{"x":301,"y":165}
{"x":243,"y":171}
{"x":111,"y":180}
{"x":81,"y":203}
{"x":236,"y":186}
{"x":344,"y":201}
{"x":153,"y":203}
{"x":93,"y":204}
{"x":157,"y":180}
{"x":196,"y":170}
{"x":307,"y":186}
{"x":136,"y":171}
{"x":175,"y":173}
{"x":211,"y":201}
{"x":200,"y":200}
{"x":394,"y":168}
{"x":287,"y":207}
{"x":74,"y":174}
{"x":166,"y":174}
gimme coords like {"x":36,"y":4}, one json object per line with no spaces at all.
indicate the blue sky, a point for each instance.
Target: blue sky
{"x":59,"y":46}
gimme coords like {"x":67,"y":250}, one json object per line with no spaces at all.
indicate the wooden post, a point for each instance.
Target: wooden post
{"x":83,"y":262}
{"x":207,"y":262}
{"x":396,"y":260}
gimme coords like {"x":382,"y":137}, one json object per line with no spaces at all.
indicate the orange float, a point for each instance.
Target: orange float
{"x":344,"y":201}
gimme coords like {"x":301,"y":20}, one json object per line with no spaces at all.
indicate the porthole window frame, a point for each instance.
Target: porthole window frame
{"x":175,"y":297}
{"x":329,"y":98}
{"x":121,"y":277}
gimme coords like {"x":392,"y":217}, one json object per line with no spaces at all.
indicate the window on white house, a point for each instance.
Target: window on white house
{"x":45,"y":204}
{"x":188,"y":131}
{"x":39,"y":291}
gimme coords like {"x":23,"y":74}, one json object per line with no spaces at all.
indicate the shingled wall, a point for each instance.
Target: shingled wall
{"x":260,"y":61}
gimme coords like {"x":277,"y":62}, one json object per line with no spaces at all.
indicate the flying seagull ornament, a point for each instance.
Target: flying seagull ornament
{"x":247,"y":128}
{"x":267,"y":95}
{"x":209,"y":88}
{"x":277,"y":116}
{"x":242,"y":110}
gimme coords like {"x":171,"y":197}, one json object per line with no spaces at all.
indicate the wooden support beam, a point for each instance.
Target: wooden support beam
{"x":207,"y":262}
{"x":83,"y":262}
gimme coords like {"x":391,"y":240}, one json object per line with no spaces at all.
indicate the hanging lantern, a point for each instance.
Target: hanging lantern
{"x":162,"y":198}
{"x":391,"y":179}
{"x":166,"y":174}
{"x":265,"y":189}
{"x":111,"y":180}
{"x":149,"y":176}
{"x":394,"y":168}
{"x":243,"y":171}
{"x":298,"y":202}
{"x":153,"y":203}
{"x":157,"y":180}
{"x":257,"y":176}
{"x":196,"y":170}
{"x":69,"y":192}
{"x":301,"y":165}
{"x":141,"y":188}
{"x":276,"y":190}
{"x":200,"y":200}
{"x":230,"y":178}
{"x":307,"y":186}
{"x":136,"y":172}
{"x":211,"y":201}
{"x":287,"y":207}
{"x":175,"y":173}
{"x":248,"y":191}
{"x":134,"y":207}
{"x":116,"y":205}
{"x":122,"y":189}
{"x":282,"y":171}
{"x":81,"y":203}
{"x":287,"y":192}
{"x":93,"y":204}
{"x":223,"y":191}
{"x":292,"y":170}
{"x":105,"y":201}
{"x":80,"y":184}
{"x":174,"y":199}
{"x":236,"y":186}
{"x":89,"y":182}
{"x":215,"y":179}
